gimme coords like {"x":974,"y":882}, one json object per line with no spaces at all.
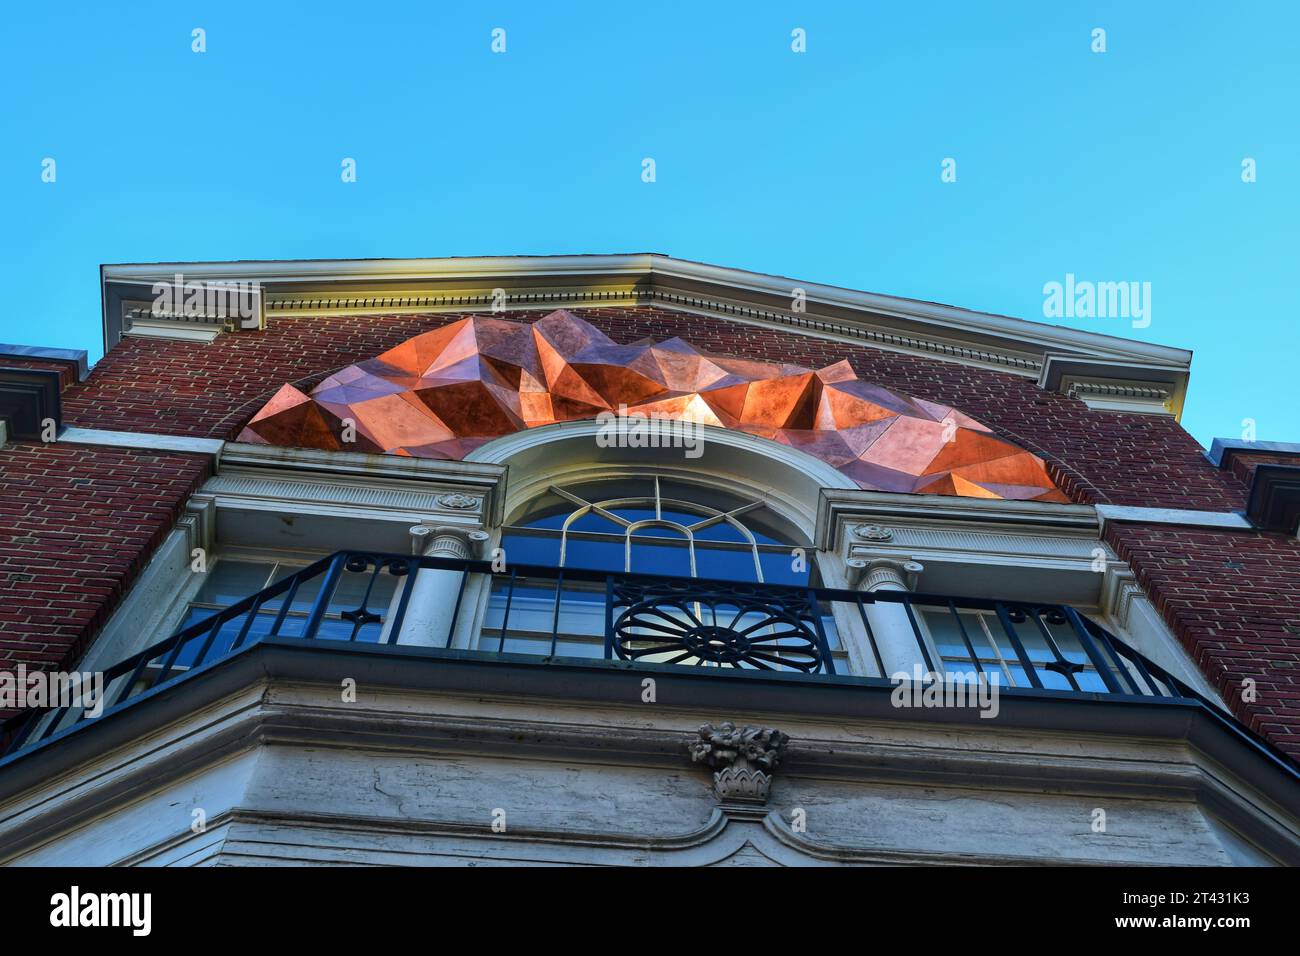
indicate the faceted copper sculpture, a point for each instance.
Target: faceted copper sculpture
{"x":446,"y":392}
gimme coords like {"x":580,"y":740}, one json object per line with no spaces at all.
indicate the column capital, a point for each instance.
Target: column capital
{"x":884,"y":573}
{"x":446,"y":541}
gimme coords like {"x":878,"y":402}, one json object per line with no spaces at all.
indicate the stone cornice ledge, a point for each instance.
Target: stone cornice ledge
{"x":232,"y":699}
{"x":837,"y":506}
{"x":1227,"y":520}
{"x":947,"y":332}
{"x":373,"y":474}
{"x":143,"y":440}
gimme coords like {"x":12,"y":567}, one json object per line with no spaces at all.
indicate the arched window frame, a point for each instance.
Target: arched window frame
{"x":607,"y":509}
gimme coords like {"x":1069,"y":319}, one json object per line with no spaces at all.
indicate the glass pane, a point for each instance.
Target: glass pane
{"x":339,"y":629}
{"x":194,"y":615}
{"x":947,"y":633}
{"x":779,"y":568}
{"x":728,"y":564}
{"x":594,"y":523}
{"x":532,"y":549}
{"x":1030,"y":637}
{"x":230,"y":581}
{"x":672,"y":559}
{"x":832,"y":634}
{"x":1090,"y":681}
{"x":597,"y":555}
{"x":722,"y":531}
{"x":532,"y":608}
{"x":225,"y":638}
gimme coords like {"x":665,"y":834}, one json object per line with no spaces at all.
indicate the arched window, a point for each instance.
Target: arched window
{"x":643,"y":525}
{"x":648,"y":525}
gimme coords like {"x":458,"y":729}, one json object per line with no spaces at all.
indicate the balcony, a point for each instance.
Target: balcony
{"x":557,"y":615}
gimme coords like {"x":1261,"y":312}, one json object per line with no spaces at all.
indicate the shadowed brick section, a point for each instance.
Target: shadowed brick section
{"x":1243,"y":464}
{"x":212,"y":390}
{"x":67,"y":374}
{"x":77,"y":524}
{"x":1233,"y":600}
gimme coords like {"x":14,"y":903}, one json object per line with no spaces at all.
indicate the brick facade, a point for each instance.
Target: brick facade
{"x":1233,"y":598}
{"x":77,"y":524}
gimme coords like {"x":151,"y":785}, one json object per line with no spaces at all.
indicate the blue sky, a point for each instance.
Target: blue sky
{"x":823,"y":166}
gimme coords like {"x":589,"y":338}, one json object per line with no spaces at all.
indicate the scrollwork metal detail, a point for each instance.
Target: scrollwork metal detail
{"x":772,"y":629}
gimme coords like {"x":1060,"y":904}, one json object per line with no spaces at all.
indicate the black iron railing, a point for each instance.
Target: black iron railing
{"x":564,"y":612}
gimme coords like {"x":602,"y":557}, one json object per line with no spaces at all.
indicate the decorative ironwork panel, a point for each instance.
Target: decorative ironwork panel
{"x":763,"y":627}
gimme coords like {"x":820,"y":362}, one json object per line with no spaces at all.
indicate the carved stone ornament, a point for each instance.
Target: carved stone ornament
{"x":742,"y":759}
{"x":457,"y":500}
{"x":873,"y":532}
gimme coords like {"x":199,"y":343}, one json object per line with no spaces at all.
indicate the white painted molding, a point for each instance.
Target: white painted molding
{"x":179,"y":333}
{"x":460,"y":284}
{"x":1127,"y":606}
{"x":99,"y":436}
{"x":840,"y":506}
{"x":787,"y":479}
{"x":1176,"y":516}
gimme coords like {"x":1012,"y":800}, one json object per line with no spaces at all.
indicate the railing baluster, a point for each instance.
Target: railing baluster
{"x":505,"y":618}
{"x":170,"y":660}
{"x":284,"y":607}
{"x":828,"y":664}
{"x":323,"y":597}
{"x":965,"y":639}
{"x":455,"y":612}
{"x":135,"y":676}
{"x":871,"y":637}
{"x":609,"y":617}
{"x":364,"y":609}
{"x":213,"y":631}
{"x":555,"y":618}
{"x":1145,"y":674}
{"x":399,"y":618}
{"x":1019,"y":648}
{"x":920,"y":637}
{"x":1064,"y":664}
{"x":1090,"y":648}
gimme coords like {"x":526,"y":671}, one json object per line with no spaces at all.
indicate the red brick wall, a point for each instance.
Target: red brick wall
{"x":67,"y":374}
{"x":1233,"y":600}
{"x":1242,"y":464}
{"x":1231,"y":597}
{"x":77,"y":524}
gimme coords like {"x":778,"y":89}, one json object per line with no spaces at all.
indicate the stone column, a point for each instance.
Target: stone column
{"x":432,"y":605}
{"x":896,"y":641}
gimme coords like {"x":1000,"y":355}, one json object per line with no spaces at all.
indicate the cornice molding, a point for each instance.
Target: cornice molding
{"x":893,"y":323}
{"x":839,"y":507}
{"x":1229,"y":520}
